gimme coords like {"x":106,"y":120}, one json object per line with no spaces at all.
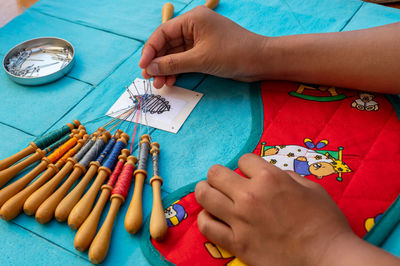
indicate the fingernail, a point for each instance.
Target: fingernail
{"x":152,"y":69}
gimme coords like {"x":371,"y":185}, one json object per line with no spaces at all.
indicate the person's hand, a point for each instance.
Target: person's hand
{"x":200,"y":41}
{"x":274,"y":217}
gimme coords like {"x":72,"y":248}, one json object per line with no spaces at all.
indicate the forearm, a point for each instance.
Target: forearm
{"x":365,"y":59}
{"x":350,"y":250}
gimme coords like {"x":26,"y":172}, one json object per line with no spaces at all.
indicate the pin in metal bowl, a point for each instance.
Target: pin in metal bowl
{"x":39,"y":61}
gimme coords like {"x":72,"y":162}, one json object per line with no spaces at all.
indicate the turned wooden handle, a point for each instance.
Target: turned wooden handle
{"x":67,"y":204}
{"x":13,"y":207}
{"x":134,"y":215}
{"x":18,"y":156}
{"x":87,"y":230}
{"x":40,"y":195}
{"x":7,"y":174}
{"x":211,"y":3}
{"x":12,"y":189}
{"x":46,"y":210}
{"x":158,"y":223}
{"x":99,"y":248}
{"x":167,"y":12}
{"x":82,"y":209}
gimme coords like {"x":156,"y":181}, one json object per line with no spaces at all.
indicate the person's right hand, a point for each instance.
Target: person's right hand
{"x":201,"y":41}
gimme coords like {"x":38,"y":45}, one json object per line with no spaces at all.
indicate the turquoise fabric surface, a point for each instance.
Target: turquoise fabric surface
{"x":133,"y":19}
{"x":97,"y":53}
{"x":108,"y":36}
{"x":35,"y":109}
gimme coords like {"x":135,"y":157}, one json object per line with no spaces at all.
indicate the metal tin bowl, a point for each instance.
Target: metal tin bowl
{"x":39,"y":61}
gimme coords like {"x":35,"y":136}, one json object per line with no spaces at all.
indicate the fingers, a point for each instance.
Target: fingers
{"x":171,"y":30}
{"x":303,"y":181}
{"x":254,"y":166}
{"x":225,"y":180}
{"x":158,"y":82}
{"x":170,"y":81}
{"x":215,"y":231}
{"x":173,"y":64}
{"x":214,"y":201}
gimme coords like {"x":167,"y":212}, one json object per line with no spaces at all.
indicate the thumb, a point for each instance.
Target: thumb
{"x":173,"y":64}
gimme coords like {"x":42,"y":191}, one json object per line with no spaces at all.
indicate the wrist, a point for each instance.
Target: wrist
{"x":271,"y":59}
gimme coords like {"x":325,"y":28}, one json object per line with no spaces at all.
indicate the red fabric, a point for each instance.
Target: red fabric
{"x":370,"y":146}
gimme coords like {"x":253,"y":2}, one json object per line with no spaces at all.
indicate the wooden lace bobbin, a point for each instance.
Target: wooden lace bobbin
{"x":12,"y":207}
{"x":39,"y":143}
{"x":40,"y":195}
{"x":18,"y":185}
{"x":167,"y":12}
{"x":158,"y":223}
{"x":134,"y":215}
{"x":46,"y":210}
{"x":67,"y":204}
{"x":9,"y":173}
{"x":87,"y":230}
{"x":211,"y":3}
{"x":82,"y":209}
{"x":99,"y":248}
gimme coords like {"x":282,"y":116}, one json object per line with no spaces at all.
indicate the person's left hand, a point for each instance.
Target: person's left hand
{"x":275,"y":217}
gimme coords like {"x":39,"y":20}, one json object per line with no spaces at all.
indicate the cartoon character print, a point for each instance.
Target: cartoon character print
{"x":305,"y":160}
{"x":370,"y":222}
{"x":365,"y":103}
{"x":219,"y":253}
{"x":175,"y":214}
{"x":317,"y":93}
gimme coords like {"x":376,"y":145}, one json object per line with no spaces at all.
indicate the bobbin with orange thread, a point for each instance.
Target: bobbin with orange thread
{"x":39,"y":196}
{"x":134,"y":215}
{"x":32,"y":147}
{"x":99,"y":248}
{"x":12,"y":189}
{"x":82,"y":209}
{"x":46,"y":210}
{"x":13,"y":207}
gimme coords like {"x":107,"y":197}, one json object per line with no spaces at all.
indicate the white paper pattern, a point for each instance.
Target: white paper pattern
{"x":177,"y":104}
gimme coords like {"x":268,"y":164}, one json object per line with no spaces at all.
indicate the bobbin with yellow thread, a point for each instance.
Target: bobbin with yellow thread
{"x":82,"y":209}
{"x":134,"y":215}
{"x":13,"y":207}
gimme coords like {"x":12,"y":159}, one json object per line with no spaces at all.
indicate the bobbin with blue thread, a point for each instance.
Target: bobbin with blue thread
{"x":134,"y":215}
{"x":82,"y":209}
{"x":46,"y":210}
{"x":65,"y":205}
{"x":68,"y":203}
